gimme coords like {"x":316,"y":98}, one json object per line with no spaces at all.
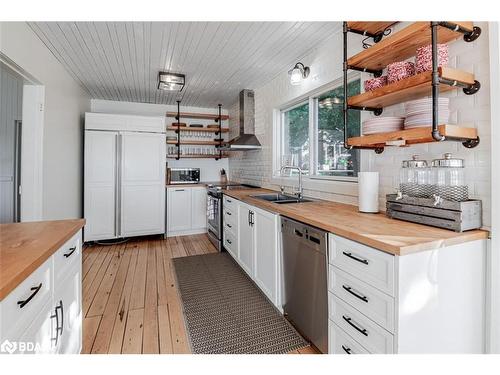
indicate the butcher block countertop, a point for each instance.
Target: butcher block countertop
{"x":376,"y":230}
{"x":25,"y":246}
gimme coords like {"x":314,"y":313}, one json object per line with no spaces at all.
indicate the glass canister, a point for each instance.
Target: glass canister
{"x":414,"y":178}
{"x":448,"y":177}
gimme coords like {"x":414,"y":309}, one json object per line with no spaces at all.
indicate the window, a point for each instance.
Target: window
{"x":315,"y":141}
{"x":295,"y":147}
{"x":332,"y":158}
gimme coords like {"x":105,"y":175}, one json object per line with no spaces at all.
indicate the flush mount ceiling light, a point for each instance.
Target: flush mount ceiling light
{"x":171,"y":81}
{"x":298,"y":73}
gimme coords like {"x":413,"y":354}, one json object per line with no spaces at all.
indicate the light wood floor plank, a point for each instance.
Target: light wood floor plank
{"x":101,"y":298}
{"x":160,"y":274}
{"x":132,"y":342}
{"x":164,"y":330}
{"x":90,"y":326}
{"x":150,"y":344}
{"x":93,"y":289}
{"x":110,"y":314}
{"x":88,"y":262}
{"x":115,"y":345}
{"x":139,"y":287}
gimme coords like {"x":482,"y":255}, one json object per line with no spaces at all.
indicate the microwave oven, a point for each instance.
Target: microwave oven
{"x":184,"y":175}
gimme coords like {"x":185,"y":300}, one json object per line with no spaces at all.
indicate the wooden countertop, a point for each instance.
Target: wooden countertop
{"x":202,"y":183}
{"x":25,"y":246}
{"x":376,"y":230}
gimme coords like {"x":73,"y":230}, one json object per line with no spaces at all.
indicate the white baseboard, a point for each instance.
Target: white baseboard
{"x":186,"y":232}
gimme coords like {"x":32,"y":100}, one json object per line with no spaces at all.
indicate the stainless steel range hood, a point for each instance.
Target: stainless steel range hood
{"x":246,"y":140}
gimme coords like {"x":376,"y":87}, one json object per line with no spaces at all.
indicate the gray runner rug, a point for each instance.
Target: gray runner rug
{"x":226,"y":313}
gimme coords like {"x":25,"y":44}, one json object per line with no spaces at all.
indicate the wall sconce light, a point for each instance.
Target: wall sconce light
{"x":171,"y":81}
{"x":298,"y":73}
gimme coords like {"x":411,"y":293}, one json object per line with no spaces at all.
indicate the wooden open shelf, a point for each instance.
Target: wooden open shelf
{"x":201,"y":143}
{"x":411,"y":88}
{"x":188,"y":129}
{"x":370,"y":27}
{"x":196,"y":156}
{"x":202,"y":116}
{"x":402,"y":44}
{"x":412,"y":136}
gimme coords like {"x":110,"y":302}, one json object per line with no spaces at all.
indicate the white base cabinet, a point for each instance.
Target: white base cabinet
{"x":49,"y":317}
{"x":186,"y":210}
{"x":426,"y":302}
{"x":252,"y":240}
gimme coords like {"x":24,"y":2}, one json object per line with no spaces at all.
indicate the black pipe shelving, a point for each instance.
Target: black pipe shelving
{"x":468,"y":87}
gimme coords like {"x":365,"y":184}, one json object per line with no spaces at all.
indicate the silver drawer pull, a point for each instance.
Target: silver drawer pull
{"x":347,"y":349}
{"x":355,"y":326}
{"x":357,"y":295}
{"x":360,"y":260}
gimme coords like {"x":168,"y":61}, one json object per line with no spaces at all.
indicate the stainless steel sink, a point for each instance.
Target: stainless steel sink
{"x":280,"y":198}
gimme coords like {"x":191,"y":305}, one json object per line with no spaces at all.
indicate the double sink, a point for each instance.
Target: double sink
{"x":280,"y":198}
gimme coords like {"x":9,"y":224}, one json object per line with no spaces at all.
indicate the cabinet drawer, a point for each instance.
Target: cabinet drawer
{"x":230,"y":220}
{"x":230,"y":203}
{"x":370,"y":265}
{"x":373,"y":303}
{"x":231,"y":242}
{"x":341,"y":342}
{"x":35,"y":291}
{"x":69,"y":254}
{"x":368,"y":333}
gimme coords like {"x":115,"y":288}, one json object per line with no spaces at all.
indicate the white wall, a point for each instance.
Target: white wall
{"x":210,"y":168}
{"x":326,"y":66}
{"x":65,"y":104}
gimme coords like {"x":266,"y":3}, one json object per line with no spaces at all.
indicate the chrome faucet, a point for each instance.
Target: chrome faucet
{"x":300,"y":191}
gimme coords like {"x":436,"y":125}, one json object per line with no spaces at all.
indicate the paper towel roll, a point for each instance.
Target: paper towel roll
{"x":368,"y":191}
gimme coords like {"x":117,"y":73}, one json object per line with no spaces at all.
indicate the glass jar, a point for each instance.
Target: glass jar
{"x":448,"y":176}
{"x":414,"y":178}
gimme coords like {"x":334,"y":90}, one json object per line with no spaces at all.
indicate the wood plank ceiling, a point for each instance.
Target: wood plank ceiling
{"x":121,"y":60}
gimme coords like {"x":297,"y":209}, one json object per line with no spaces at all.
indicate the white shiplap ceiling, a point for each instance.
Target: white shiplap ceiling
{"x":121,"y":60}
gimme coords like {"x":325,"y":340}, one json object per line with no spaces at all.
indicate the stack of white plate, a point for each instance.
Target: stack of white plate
{"x":418,"y":113}
{"x":382,"y":125}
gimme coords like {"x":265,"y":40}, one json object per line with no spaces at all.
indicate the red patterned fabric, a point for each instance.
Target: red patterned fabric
{"x":375,"y":83}
{"x":423,"y":57}
{"x":400,"y":70}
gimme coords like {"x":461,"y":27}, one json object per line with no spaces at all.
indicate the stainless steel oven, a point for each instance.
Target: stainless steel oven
{"x":214,"y":218}
{"x":184,"y":175}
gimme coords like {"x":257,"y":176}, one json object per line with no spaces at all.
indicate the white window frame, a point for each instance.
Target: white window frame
{"x":317,"y":182}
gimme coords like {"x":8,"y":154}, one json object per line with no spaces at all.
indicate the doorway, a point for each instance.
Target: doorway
{"x":11,"y":103}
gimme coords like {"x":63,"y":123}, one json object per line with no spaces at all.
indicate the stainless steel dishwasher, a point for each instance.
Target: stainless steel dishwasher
{"x":305,"y":289}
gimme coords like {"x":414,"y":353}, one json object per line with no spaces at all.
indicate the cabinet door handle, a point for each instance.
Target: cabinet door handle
{"x":229,"y":242}
{"x":229,"y":225}
{"x":60,"y":307}
{"x":360,"y":260}
{"x":361,"y":297}
{"x":228,"y":200}
{"x":251,"y":218}
{"x":228,"y":213}
{"x":70,"y":252}
{"x":355,"y":326}
{"x":179,"y":189}
{"x":35,"y":290}
{"x":347,"y":350}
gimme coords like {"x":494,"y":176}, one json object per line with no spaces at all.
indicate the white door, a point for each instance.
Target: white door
{"x":198,"y":208}
{"x":100,"y":185}
{"x":142,"y":193}
{"x":68,"y":302}
{"x":266,"y":253}
{"x":245,"y":238}
{"x":179,"y":209}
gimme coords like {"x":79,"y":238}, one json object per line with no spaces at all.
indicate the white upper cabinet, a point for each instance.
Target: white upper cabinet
{"x":117,"y":122}
{"x":142,"y":183}
{"x":100,"y":184}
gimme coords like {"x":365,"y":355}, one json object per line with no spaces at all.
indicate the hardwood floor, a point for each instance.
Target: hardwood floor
{"x":130,"y":300}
